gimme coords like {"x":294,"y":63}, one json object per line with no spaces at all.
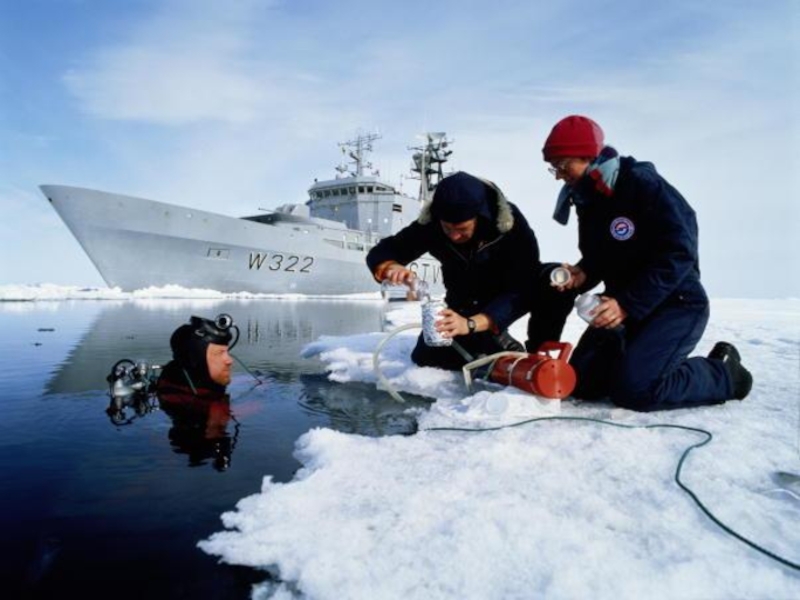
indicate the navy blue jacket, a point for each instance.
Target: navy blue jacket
{"x":641,"y":241}
{"x":493,"y":278}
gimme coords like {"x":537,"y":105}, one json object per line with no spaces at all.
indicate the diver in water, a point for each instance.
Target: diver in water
{"x":201,"y":363}
{"x":191,"y":390}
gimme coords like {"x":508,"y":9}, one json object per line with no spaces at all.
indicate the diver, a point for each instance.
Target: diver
{"x":201,"y":363}
{"x":190,"y":389}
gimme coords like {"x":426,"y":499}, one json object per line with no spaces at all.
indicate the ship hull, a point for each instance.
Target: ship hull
{"x":136,"y":243}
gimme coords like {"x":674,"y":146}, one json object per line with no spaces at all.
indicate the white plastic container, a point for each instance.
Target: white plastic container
{"x":430,"y":314}
{"x":585,"y":304}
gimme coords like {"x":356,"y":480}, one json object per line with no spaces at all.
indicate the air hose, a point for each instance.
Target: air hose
{"x":389,"y":388}
{"x":252,"y":374}
{"x":677,"y":477}
{"x":376,"y":366}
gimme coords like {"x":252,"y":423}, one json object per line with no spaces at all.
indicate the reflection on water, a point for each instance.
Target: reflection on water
{"x":200,"y":429}
{"x":77,"y":481}
{"x":359,"y":407}
{"x":272,"y":335}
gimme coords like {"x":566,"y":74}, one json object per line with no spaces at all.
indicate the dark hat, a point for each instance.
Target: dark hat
{"x":573,"y":137}
{"x":190,"y":341}
{"x":461,"y":197}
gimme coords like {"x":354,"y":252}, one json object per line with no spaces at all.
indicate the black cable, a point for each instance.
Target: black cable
{"x":684,"y":487}
{"x":246,"y":368}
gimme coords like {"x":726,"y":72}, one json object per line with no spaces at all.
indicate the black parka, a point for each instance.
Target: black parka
{"x":492,"y":274}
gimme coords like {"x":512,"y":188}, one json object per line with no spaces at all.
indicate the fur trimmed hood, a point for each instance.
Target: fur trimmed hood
{"x":489,"y":199}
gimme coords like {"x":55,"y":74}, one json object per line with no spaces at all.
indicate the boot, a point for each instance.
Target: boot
{"x":741,"y":378}
{"x":508,"y":343}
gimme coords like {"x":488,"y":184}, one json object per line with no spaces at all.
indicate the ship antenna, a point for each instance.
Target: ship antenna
{"x":358,"y":148}
{"x":429,"y":161}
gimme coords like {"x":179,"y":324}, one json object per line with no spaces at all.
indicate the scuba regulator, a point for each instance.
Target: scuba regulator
{"x":130,"y":385}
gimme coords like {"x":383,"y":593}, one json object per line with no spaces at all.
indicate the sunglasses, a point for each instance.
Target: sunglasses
{"x":559,"y":168}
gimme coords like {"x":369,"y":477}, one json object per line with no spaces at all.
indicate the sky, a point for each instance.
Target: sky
{"x":236,"y":106}
{"x":552,"y":509}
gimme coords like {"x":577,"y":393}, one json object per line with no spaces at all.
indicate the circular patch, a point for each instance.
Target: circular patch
{"x":622,"y":229}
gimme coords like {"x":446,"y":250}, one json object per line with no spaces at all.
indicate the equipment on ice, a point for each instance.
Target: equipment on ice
{"x":540,"y":373}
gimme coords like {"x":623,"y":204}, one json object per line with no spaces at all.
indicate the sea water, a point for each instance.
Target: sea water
{"x":93,"y":507}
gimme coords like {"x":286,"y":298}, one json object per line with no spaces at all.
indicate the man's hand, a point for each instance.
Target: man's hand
{"x":609,"y":314}
{"x":453,"y":324}
{"x":398,"y":274}
{"x":576,"y":280}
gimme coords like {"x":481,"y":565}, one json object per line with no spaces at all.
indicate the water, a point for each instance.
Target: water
{"x":94,"y":509}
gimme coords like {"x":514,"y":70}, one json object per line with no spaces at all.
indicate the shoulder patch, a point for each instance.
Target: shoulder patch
{"x":622,"y":228}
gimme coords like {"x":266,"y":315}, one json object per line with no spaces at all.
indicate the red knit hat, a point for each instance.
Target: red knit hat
{"x":573,"y":137}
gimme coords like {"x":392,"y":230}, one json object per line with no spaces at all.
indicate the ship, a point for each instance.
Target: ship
{"x":317,"y":248}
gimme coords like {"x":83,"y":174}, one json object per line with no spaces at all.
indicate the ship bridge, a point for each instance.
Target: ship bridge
{"x":362,"y":203}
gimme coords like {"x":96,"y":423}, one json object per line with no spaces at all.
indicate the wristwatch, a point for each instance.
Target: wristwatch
{"x":471,"y":325}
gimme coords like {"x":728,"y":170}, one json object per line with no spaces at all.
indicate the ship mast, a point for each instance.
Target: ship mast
{"x":359,"y":146}
{"x":428,"y":162}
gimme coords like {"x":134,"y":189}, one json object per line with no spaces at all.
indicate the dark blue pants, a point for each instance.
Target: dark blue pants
{"x":644,"y":366}
{"x":549,"y":310}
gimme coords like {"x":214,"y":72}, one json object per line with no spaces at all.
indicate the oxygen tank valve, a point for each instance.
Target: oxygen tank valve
{"x":128,"y":377}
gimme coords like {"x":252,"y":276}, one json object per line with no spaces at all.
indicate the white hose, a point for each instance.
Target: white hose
{"x":486,"y":360}
{"x":465,"y":369}
{"x":376,"y":366}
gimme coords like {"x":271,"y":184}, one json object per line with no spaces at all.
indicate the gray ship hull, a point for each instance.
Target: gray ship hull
{"x":136,"y":243}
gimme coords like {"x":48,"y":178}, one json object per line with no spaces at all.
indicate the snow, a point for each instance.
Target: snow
{"x":549,"y":508}
{"x":47,"y":291}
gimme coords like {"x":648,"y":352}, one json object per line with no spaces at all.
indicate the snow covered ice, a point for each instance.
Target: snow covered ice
{"x":549,"y":509}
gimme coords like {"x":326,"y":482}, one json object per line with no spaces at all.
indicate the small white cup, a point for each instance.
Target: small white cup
{"x":560,"y":276}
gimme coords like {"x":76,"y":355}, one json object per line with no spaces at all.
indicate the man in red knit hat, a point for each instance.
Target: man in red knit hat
{"x":638,"y":236}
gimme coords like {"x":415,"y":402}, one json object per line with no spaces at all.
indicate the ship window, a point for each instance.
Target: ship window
{"x":337,"y":243}
{"x":361,"y":189}
{"x":353,"y":190}
{"x":327,"y":193}
{"x":397,"y":208}
{"x":220,"y":253}
{"x":369,"y":189}
{"x":354,"y":246}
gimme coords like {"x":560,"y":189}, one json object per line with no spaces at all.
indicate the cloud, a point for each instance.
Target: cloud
{"x":234,"y":106}
{"x":160,"y":87}
{"x":190,"y":62}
